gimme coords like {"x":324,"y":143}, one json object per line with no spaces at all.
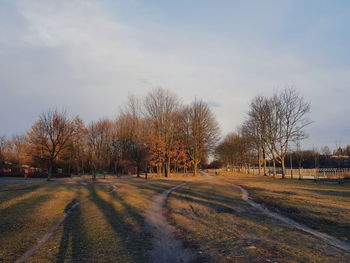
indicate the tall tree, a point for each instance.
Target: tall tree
{"x":50,"y":135}
{"x":257,"y":126}
{"x":200,"y":131}
{"x":99,"y":142}
{"x":18,"y":147}
{"x":161,"y":110}
{"x":77,"y":154}
{"x":280,"y":120}
{"x":132,"y":132}
{"x":291,"y":111}
{"x":131,"y":135}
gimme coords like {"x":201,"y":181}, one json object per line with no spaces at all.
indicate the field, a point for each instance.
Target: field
{"x":207,"y":213}
{"x":105,"y":227}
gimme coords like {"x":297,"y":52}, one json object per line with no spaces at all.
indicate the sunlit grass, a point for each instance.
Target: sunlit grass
{"x":324,"y":206}
{"x":106,"y":226}
{"x":212,"y":218}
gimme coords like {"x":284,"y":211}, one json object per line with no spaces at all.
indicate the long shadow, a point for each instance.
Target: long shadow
{"x":136,"y":244}
{"x":214,"y":197}
{"x":15,"y":191}
{"x":15,"y":215}
{"x":338,"y":225}
{"x":34,"y":187}
{"x":73,"y":236}
{"x":210,"y":198}
{"x":340,"y":193}
{"x":218,"y":203}
{"x":156,"y":185}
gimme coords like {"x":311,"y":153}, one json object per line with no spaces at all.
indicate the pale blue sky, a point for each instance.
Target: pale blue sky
{"x":87,"y":56}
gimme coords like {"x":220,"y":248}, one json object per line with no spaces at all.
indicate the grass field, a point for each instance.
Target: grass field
{"x":105,"y":227}
{"x":212,"y":218}
{"x":324,"y":206}
{"x":209,"y":215}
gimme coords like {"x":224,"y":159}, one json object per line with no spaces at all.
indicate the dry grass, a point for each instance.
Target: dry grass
{"x":26,"y":212}
{"x":209,"y":214}
{"x":105,"y":227}
{"x":324,"y":206}
{"x":212,"y":218}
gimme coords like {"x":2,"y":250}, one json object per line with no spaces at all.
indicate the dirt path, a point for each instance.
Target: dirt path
{"x":165,"y":247}
{"x":333,"y":241}
{"x":30,"y":252}
{"x":325,"y":237}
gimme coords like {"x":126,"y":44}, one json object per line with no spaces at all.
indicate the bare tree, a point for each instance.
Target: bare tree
{"x":18,"y":148}
{"x":131,"y":134}
{"x":50,"y":135}
{"x":99,"y":143}
{"x":200,"y":131}
{"x":257,"y":126}
{"x":250,"y":130}
{"x":161,"y":109}
{"x":291,"y":112}
{"x":279,"y":121}
{"x":78,"y":149}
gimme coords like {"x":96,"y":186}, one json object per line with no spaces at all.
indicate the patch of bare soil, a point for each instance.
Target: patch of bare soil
{"x":165,"y":247}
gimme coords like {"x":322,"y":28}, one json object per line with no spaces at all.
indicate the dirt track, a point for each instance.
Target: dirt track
{"x":165,"y":247}
{"x":331,"y":240}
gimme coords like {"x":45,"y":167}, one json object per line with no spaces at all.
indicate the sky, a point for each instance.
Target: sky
{"x":88,"y":56}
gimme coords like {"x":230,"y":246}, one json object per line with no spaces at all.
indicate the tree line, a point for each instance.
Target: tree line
{"x":156,"y":133}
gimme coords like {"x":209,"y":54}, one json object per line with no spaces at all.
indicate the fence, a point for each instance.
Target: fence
{"x":320,"y":173}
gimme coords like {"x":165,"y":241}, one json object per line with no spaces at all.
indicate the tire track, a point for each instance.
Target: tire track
{"x":331,"y":240}
{"x":165,"y":247}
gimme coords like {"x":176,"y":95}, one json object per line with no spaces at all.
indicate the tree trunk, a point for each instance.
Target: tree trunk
{"x":283,"y":168}
{"x":195,"y":168}
{"x":264,"y":160}
{"x":259,"y":161}
{"x":168,"y":166}
{"x":115,"y":169}
{"x":94,"y":173}
{"x":165,"y":169}
{"x":274,"y":168}
{"x":49,"y":175}
{"x":69,"y":168}
{"x":137,"y":171}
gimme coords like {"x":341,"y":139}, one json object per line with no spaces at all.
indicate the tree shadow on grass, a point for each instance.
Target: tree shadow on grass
{"x":156,"y":185}
{"x":74,"y":244}
{"x":16,"y":215}
{"x":12,"y":192}
{"x":338,"y":193}
{"x":135,"y":244}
